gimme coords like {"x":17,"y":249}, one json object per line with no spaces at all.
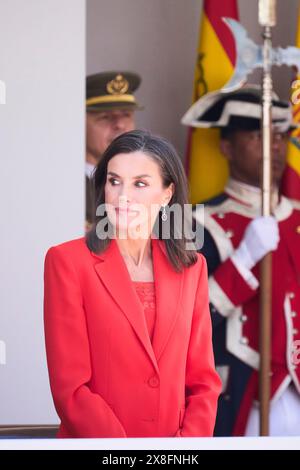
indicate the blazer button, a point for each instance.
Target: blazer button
{"x":153,"y":382}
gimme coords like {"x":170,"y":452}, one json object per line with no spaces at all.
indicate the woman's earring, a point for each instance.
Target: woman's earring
{"x":164,"y":216}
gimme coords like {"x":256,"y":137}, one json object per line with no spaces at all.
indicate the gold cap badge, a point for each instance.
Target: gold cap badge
{"x":118,"y":86}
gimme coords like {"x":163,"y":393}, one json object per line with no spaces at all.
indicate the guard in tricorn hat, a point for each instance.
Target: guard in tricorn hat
{"x":110,"y":108}
{"x":236,"y":238}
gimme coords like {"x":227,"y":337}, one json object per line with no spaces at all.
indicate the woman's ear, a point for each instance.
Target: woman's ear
{"x":170,"y":191}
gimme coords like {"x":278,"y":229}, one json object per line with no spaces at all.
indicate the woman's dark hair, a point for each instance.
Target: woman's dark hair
{"x":171,"y":169}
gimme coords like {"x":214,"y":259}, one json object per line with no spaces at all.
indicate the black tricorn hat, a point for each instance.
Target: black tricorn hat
{"x":112,"y":90}
{"x":238,"y":110}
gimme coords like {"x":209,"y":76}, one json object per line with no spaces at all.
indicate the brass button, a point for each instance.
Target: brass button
{"x":244,"y":340}
{"x":229,"y":233}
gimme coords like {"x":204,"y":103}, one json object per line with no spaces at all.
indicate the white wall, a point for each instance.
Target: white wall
{"x":42,"y":62}
{"x":158,"y":39}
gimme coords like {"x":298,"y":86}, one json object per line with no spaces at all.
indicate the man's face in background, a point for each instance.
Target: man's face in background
{"x":243,"y":150}
{"x":102,"y":127}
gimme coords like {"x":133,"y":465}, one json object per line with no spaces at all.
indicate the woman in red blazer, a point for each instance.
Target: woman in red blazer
{"x":127,"y":324}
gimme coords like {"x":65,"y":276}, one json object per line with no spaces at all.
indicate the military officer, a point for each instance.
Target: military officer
{"x":110,"y":108}
{"x":236,"y":238}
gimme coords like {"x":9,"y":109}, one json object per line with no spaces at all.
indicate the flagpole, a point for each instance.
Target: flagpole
{"x":267,"y":19}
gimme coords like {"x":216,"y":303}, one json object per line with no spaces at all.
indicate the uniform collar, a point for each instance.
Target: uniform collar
{"x":250,"y":197}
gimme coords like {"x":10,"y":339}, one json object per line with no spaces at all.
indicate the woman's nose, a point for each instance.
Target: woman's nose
{"x":123,"y":197}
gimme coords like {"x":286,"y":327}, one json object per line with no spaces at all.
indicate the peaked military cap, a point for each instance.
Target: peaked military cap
{"x":112,"y":90}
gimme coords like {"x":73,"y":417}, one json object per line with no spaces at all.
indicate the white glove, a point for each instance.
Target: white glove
{"x":261,"y":236}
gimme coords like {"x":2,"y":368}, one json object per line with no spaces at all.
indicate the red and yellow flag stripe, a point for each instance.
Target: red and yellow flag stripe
{"x":207,"y":169}
{"x":291,"y":179}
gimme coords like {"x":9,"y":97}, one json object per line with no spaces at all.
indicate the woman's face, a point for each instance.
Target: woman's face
{"x":134,"y":193}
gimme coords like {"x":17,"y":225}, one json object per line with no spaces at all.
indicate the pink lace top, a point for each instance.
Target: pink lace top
{"x":146,"y":294}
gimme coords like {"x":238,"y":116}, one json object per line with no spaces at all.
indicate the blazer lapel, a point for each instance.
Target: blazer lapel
{"x":114,"y":274}
{"x":168,"y":292}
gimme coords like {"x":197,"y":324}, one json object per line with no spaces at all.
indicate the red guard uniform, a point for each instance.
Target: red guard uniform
{"x":234,"y":297}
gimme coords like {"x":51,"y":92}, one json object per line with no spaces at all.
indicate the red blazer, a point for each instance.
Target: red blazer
{"x":107,"y":378}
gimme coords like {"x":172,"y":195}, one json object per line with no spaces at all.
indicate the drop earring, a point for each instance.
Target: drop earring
{"x":164,"y":216}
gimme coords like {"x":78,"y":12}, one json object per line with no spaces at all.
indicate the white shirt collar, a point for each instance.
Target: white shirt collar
{"x":89,"y":168}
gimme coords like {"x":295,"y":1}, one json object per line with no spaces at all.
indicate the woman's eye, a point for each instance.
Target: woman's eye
{"x":140,"y":184}
{"x":113,"y":181}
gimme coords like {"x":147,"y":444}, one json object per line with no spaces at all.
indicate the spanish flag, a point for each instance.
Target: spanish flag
{"x":206,"y":167}
{"x":291,"y":178}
